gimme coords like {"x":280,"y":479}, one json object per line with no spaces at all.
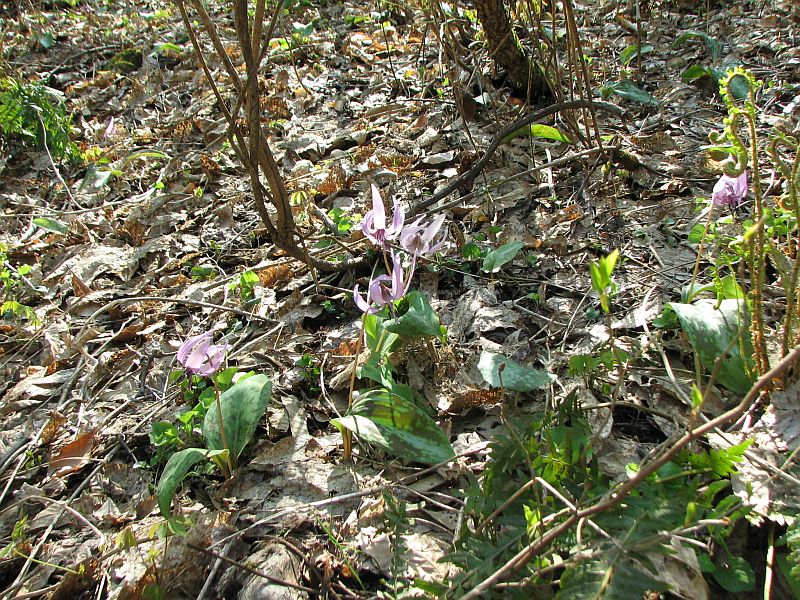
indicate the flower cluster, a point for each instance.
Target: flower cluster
{"x":730,"y":191}
{"x":417,"y":239}
{"x":200,"y":357}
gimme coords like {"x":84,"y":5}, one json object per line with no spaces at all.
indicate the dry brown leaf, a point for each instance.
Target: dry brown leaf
{"x":53,"y":426}
{"x":272,"y":276}
{"x":74,"y":456}
{"x":79,"y":288}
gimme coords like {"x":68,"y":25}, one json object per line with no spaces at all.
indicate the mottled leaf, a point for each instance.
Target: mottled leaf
{"x":514,"y":377}
{"x":243,"y":405}
{"x":398,"y":426}
{"x":712,"y":330}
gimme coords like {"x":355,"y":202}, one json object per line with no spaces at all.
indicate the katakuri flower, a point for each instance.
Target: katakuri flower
{"x":383,"y":290}
{"x":417,"y":239}
{"x":730,"y":191}
{"x":374,"y":224}
{"x":200,"y":357}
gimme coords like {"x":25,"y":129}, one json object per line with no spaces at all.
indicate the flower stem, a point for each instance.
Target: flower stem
{"x":231,"y":458}
{"x":347,"y":435}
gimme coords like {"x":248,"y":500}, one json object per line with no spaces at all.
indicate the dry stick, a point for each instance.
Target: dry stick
{"x":256,"y":572}
{"x":501,"y":135}
{"x":548,"y":165}
{"x":644,"y":472}
{"x":576,"y":50}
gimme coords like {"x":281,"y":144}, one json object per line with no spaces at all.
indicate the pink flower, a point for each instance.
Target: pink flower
{"x":730,"y":191}
{"x":417,"y":239}
{"x":383,"y":290}
{"x":200,"y":357}
{"x":374,"y":224}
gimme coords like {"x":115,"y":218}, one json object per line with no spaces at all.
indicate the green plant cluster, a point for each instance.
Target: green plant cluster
{"x":11,"y":307}
{"x":36,"y":114}
{"x":539,"y":476}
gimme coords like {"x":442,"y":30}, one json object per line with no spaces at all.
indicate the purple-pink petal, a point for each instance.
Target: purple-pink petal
{"x":378,"y":210}
{"x":200,"y":357}
{"x":730,"y":190}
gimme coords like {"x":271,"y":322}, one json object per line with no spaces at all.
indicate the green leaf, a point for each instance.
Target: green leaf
{"x":711,"y":330}
{"x":606,"y":579}
{"x":495,"y":259}
{"x":515,"y":377}
{"x":398,"y":426}
{"x":51,"y":225}
{"x":175,"y":470}
{"x":243,"y":405}
{"x":630,"y":52}
{"x":143,"y":154}
{"x":737,"y":576}
{"x":695,"y":72}
{"x":712,"y":46}
{"x":418,"y":321}
{"x":538,"y":130}
{"x":785,"y":567}
{"x":628,"y":90}
{"x":739,"y":87}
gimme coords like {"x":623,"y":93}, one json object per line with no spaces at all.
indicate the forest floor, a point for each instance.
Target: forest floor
{"x":113,"y":259}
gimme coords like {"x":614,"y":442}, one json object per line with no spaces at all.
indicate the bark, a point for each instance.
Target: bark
{"x":505,"y":48}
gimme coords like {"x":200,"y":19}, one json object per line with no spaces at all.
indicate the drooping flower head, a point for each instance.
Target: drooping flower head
{"x":383,"y":290}
{"x":730,"y":191}
{"x":200,"y":357}
{"x":417,"y":239}
{"x":374,"y":224}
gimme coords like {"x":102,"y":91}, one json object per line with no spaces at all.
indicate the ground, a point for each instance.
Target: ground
{"x":148,"y":235}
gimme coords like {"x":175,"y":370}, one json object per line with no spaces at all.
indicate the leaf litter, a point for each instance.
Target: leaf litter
{"x":149,"y":243}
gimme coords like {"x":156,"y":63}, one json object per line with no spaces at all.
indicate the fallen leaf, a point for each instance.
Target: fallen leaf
{"x":74,"y":456}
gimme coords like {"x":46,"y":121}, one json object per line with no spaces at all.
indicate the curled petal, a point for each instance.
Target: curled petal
{"x":360,"y":302}
{"x":433,"y":229}
{"x":378,"y":209}
{"x":398,"y":218}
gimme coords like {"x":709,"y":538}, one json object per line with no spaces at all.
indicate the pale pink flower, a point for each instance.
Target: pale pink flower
{"x":730,"y":191}
{"x":383,"y":290}
{"x":374,"y":224}
{"x":200,"y":357}
{"x":417,"y":239}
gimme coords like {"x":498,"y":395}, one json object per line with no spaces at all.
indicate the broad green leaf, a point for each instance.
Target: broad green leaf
{"x":696,"y":234}
{"x":398,"y":426}
{"x":515,"y":377}
{"x":690,"y":291}
{"x":630,"y":52}
{"x":418,"y":321}
{"x":628,"y":90}
{"x":737,"y":577}
{"x":175,"y":470}
{"x":378,"y":339}
{"x":95,"y":178}
{"x":712,"y":46}
{"x":538,"y":130}
{"x":376,"y":369}
{"x":728,"y":288}
{"x":243,"y":405}
{"x":695,"y":72}
{"x":711,"y":331}
{"x":143,"y":154}
{"x":495,"y":259}
{"x":50,"y":225}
